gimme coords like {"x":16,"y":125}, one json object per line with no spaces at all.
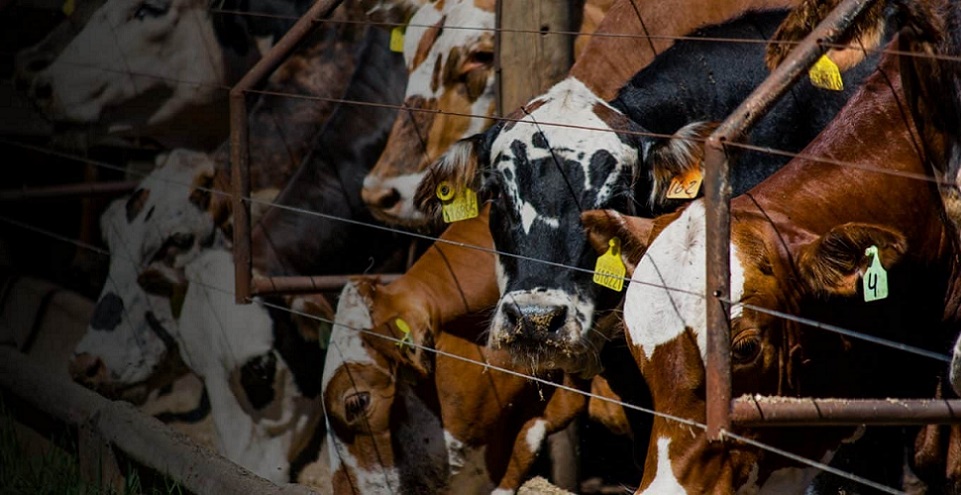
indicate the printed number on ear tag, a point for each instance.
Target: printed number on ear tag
{"x":825,"y":74}
{"x":68,"y":7}
{"x":875,"y":279}
{"x":685,"y":186}
{"x":397,"y":39}
{"x":609,"y":270}
{"x":454,"y":206}
{"x":404,"y":329}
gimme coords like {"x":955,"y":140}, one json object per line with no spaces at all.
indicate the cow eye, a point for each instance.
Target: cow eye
{"x":482,"y":57}
{"x":151,"y":9}
{"x":746,"y":346}
{"x":355,"y":405}
{"x":182,"y":240}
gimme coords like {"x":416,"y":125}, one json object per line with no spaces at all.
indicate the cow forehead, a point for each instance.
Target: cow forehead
{"x":587,"y":130}
{"x":464,"y":25}
{"x":346,"y":344}
{"x":666,"y":294}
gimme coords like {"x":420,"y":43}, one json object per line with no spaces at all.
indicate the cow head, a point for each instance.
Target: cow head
{"x":372,"y":413}
{"x":160,"y":227}
{"x":449,"y":49}
{"x":391,"y":11}
{"x":135,"y":63}
{"x":541,"y":177}
{"x":817,"y":277}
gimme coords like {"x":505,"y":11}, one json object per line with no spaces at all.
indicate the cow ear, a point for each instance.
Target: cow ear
{"x":866,"y":33}
{"x":832,"y":264}
{"x":460,"y":167}
{"x":634,"y":233}
{"x":313,"y":315}
{"x":667,"y":158}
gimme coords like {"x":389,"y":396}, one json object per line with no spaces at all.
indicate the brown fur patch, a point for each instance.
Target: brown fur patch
{"x":669,"y":158}
{"x":427,"y":41}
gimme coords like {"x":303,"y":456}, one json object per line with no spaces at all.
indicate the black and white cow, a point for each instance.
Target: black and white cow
{"x":568,"y":151}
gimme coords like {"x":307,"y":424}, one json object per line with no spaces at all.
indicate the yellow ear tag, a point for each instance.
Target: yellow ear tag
{"x":825,"y":74}
{"x":609,"y":270}
{"x":405,"y":329}
{"x":397,"y":39}
{"x":875,"y":280}
{"x":685,"y":186}
{"x":68,"y":7}
{"x":456,"y":207}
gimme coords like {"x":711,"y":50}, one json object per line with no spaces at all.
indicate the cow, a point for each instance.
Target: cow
{"x":404,"y":420}
{"x":256,"y":367}
{"x":541,"y":173}
{"x":181,"y":207}
{"x":450,"y":95}
{"x":802,"y":244}
{"x":148,"y":67}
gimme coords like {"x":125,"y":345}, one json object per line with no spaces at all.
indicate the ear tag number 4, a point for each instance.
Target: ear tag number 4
{"x":825,"y":74}
{"x":609,"y":271}
{"x":875,"y":279}
{"x":454,"y":206}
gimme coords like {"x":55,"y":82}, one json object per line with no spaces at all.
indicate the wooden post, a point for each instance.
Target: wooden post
{"x":98,"y":463}
{"x":535,"y":47}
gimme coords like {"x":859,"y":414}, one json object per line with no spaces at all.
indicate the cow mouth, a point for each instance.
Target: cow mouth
{"x":580,"y":357}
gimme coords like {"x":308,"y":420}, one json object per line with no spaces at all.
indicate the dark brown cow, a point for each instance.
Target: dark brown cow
{"x":798,"y":246}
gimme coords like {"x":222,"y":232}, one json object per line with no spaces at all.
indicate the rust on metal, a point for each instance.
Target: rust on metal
{"x":717,"y":197}
{"x":783,"y":411}
{"x":68,"y":191}
{"x":239,"y":153}
{"x":308,"y":284}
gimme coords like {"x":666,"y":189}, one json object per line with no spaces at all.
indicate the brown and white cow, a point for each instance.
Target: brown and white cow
{"x":403,"y":420}
{"x":798,"y":246}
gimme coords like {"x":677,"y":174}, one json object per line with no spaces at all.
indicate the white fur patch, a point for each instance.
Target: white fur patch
{"x":535,"y":435}
{"x":665,"y":483}
{"x":346,"y":345}
{"x":676,"y":259}
{"x":406,"y":186}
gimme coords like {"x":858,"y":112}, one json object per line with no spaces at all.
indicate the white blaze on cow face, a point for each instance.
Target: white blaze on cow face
{"x":448,"y":48}
{"x":546,"y":175}
{"x":157,"y":225}
{"x":144,"y":60}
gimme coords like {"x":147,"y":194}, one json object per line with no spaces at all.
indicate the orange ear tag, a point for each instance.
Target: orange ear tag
{"x":609,"y":270}
{"x":454,"y":206}
{"x":686,"y":186}
{"x":825,"y":74}
{"x":405,"y":329}
{"x":875,"y":280}
{"x":397,"y":39}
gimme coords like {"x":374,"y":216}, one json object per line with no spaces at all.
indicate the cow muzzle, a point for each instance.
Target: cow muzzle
{"x":88,"y":370}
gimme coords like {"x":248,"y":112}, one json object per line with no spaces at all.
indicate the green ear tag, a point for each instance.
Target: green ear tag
{"x":825,"y":74}
{"x":456,"y":205}
{"x":397,"y":39}
{"x":405,"y":329}
{"x":609,"y":270}
{"x":875,"y":279}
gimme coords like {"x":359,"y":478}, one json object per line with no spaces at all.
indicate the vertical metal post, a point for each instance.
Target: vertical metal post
{"x":717,"y":196}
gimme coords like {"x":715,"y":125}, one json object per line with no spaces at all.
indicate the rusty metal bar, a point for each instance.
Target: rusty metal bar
{"x":783,"y":411}
{"x":239,"y":154}
{"x":68,"y":191}
{"x":308,"y":284}
{"x":717,"y":196}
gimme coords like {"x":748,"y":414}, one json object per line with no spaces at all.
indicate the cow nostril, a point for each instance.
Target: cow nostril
{"x":556,"y":318}
{"x":513,"y":315}
{"x":383,"y":198}
{"x":88,"y":369}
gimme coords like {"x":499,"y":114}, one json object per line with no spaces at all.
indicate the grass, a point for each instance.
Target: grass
{"x":57,"y":471}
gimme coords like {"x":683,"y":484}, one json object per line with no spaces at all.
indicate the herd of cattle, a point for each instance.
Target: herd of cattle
{"x":450,"y":378}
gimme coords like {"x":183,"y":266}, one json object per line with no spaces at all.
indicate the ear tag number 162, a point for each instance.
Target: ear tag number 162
{"x":875,"y":280}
